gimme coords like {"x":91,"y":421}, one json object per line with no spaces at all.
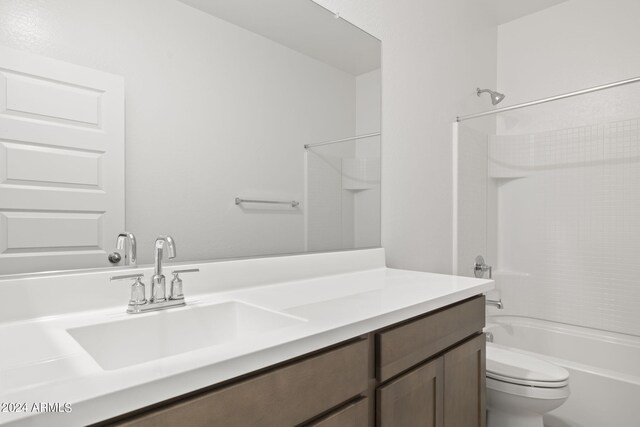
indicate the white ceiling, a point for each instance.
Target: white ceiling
{"x":508,"y":10}
{"x":303,"y":26}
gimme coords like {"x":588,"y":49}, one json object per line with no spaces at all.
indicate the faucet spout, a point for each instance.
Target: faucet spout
{"x":497,"y":303}
{"x":158,"y":292}
{"x":131,"y":255}
{"x":171,"y":252}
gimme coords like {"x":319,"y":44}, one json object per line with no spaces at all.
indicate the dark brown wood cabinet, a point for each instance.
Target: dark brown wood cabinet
{"x":409,"y":343}
{"x":437,"y":368}
{"x":286,"y":396}
{"x":413,"y":399}
{"x":426,"y":371}
{"x":447,"y":391}
{"x":464,"y":393}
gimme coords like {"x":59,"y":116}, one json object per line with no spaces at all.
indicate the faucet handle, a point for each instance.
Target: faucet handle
{"x":176,"y":283}
{"x":479,"y":268}
{"x":188,"y":270}
{"x":137,"y":298}
{"x":127,"y":276}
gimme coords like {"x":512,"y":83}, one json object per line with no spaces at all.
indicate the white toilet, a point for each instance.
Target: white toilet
{"x":522,"y":388}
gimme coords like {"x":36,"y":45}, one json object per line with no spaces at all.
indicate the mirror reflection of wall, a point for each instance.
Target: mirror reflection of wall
{"x":221,"y":97}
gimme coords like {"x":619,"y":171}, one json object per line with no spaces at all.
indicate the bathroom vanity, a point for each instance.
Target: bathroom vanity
{"x":320,"y":339}
{"x":425,"y":371}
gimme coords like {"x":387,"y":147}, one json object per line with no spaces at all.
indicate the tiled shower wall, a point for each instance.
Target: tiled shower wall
{"x":568,"y":224}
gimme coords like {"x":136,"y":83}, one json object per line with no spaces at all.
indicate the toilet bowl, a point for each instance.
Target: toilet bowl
{"x":522,"y":388}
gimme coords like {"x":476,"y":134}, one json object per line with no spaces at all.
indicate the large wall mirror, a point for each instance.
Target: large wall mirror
{"x":156,"y":116}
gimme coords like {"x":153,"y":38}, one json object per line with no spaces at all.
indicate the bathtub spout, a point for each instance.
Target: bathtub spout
{"x":497,"y":303}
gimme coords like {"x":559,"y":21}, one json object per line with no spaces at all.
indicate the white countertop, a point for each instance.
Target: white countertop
{"x":41,"y":362}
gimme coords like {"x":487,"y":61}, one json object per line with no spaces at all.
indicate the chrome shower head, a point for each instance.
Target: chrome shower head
{"x":496,"y":97}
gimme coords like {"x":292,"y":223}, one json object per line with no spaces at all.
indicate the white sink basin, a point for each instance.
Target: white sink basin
{"x":145,"y":337}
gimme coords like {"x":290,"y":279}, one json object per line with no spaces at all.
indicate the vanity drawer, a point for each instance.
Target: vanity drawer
{"x":285,"y":396}
{"x":408,"y":344}
{"x":353,"y":415}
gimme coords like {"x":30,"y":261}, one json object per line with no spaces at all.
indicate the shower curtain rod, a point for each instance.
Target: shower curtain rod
{"x":318,"y":144}
{"x":553,"y":98}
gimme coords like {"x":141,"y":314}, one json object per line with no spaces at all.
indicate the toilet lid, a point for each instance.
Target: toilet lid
{"x":518,"y":368}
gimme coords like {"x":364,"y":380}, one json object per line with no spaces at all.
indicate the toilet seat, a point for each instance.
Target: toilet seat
{"x":524,"y":370}
{"x":540,"y":393}
{"x":520,"y":381}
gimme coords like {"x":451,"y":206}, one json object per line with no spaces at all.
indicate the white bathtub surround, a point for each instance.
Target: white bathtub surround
{"x":313,"y":300}
{"x":568,"y":224}
{"x":569,"y":229}
{"x":603,"y":368}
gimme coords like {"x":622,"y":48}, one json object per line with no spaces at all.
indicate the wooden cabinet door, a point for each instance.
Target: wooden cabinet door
{"x":464,"y":388}
{"x":413,"y":399}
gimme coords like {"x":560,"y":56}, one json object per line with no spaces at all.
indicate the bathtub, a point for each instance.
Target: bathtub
{"x":604,"y":368}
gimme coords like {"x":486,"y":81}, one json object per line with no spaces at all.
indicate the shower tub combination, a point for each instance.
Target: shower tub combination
{"x":604,"y":368}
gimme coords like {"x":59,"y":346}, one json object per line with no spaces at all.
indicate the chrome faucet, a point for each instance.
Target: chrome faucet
{"x":131,"y":255}
{"x":158,"y":288}
{"x":158,"y":299}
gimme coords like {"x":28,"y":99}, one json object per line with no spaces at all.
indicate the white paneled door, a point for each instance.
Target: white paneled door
{"x":61,"y":164}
